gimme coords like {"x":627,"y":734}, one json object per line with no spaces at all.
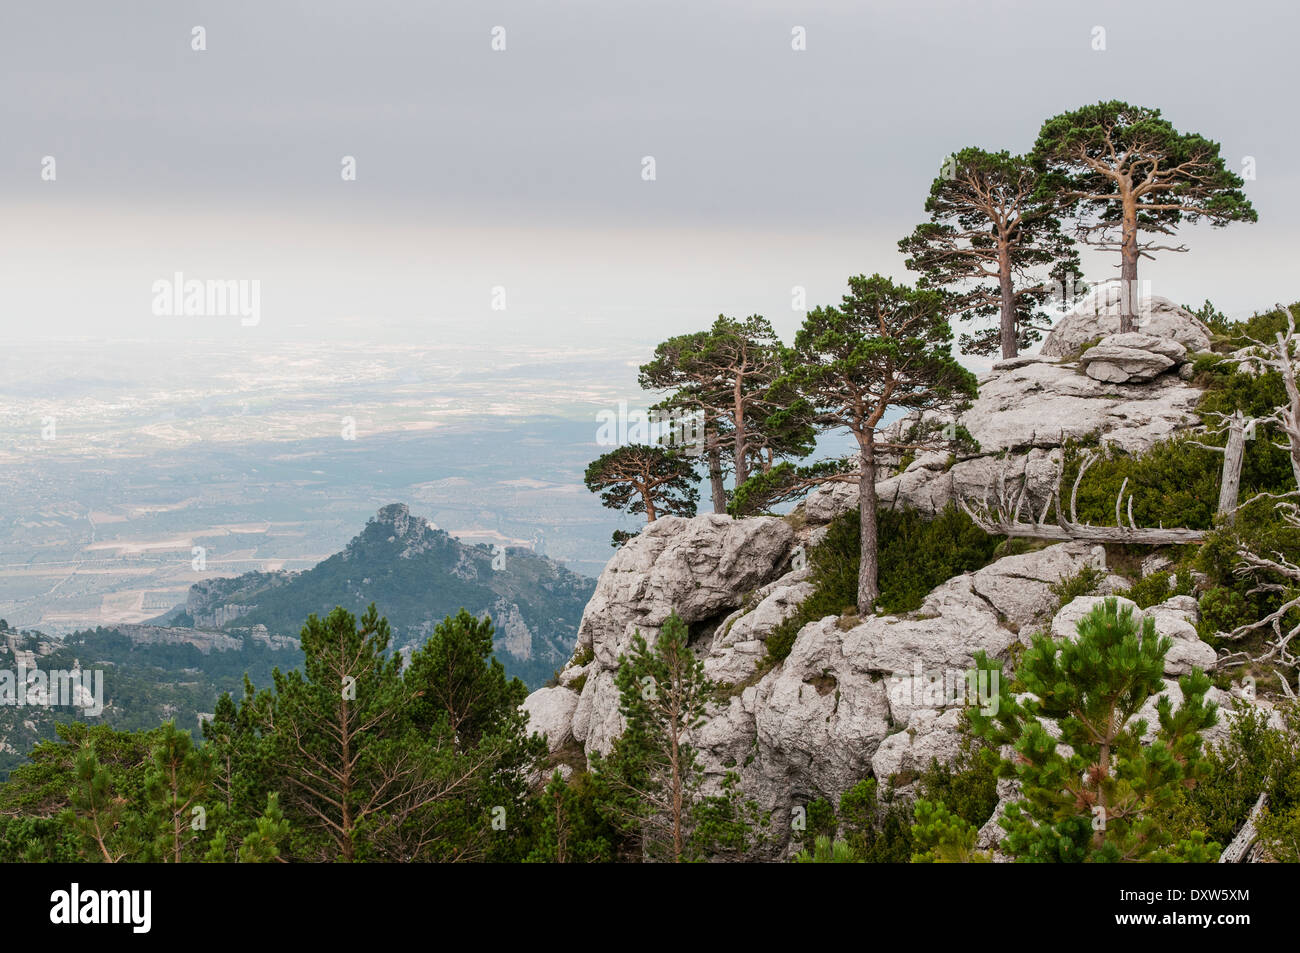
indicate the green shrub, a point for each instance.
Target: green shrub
{"x":876,"y":825}
{"x":1173,"y":484}
{"x":1254,"y":759}
{"x":1233,"y":599}
{"x":1156,"y":588}
{"x":1232,"y":335}
{"x":826,"y":851}
{"x":916,"y":555}
{"x":943,"y":838}
{"x":1176,"y":483}
{"x":1211,"y":317}
{"x":968,"y":787}
{"x":821,"y":819}
{"x":1082,"y":583}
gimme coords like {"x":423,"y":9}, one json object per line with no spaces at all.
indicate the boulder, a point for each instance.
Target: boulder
{"x":1098,"y":314}
{"x":1156,"y":562}
{"x":702,"y":568}
{"x":929,"y":736}
{"x":1133,"y":357}
{"x":597,"y":721}
{"x":830,"y":500}
{"x":1166,"y":347}
{"x":550,"y":714}
{"x":819,"y":716}
{"x":1020,"y":587}
{"x":1040,"y":404}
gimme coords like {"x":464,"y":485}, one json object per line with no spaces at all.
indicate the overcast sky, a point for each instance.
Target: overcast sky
{"x":522,"y":168}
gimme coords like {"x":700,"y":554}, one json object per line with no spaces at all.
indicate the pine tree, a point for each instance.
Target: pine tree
{"x":652,"y":480}
{"x":242,"y":774}
{"x":264,"y":844}
{"x":994,"y":241}
{"x":569,"y":828}
{"x":725,"y":375}
{"x":1127,"y":171}
{"x":177,"y":788}
{"x":1103,"y":800}
{"x":886,"y":346}
{"x":469,"y":714}
{"x":334,"y":736}
{"x":943,"y":838}
{"x":678,"y":368}
{"x":97,"y":811}
{"x":827,"y":851}
{"x":651,"y":781}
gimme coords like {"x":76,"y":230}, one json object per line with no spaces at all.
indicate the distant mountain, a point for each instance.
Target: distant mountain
{"x":417,"y":575}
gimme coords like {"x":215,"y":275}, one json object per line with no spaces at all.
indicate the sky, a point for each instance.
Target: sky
{"x":515,"y":176}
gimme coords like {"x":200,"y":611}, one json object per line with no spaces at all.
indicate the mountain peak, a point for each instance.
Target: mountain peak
{"x":398,"y":516}
{"x":417,"y":575}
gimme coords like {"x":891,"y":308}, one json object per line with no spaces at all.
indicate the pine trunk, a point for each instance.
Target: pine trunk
{"x":742,"y":465}
{"x":1007,"y":324}
{"x":715,"y":481}
{"x":1129,"y":268}
{"x":868,"y":570}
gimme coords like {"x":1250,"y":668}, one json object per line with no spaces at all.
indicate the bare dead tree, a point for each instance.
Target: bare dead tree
{"x":1278,"y":575}
{"x":1239,"y":429}
{"x":999,"y":513}
{"x":1277,"y":649}
{"x":1240,"y":848}
{"x":1280,"y":356}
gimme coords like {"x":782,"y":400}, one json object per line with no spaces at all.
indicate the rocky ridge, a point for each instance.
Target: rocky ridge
{"x":864,"y":697}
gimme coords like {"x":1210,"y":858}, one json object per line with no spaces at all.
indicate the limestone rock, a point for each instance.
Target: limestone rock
{"x":991,"y":834}
{"x":597,"y":722}
{"x":550,"y":714}
{"x":929,"y":736}
{"x":819,"y":717}
{"x":702,"y":568}
{"x":1020,"y":587}
{"x":739,"y":642}
{"x":1099,"y":313}
{"x":572,"y":673}
{"x":854,"y":696}
{"x":1156,"y":562}
{"x":1038,"y":404}
{"x":1166,"y":347}
{"x":830,"y":500}
{"x":1131,"y":358}
{"x":1176,"y":618}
